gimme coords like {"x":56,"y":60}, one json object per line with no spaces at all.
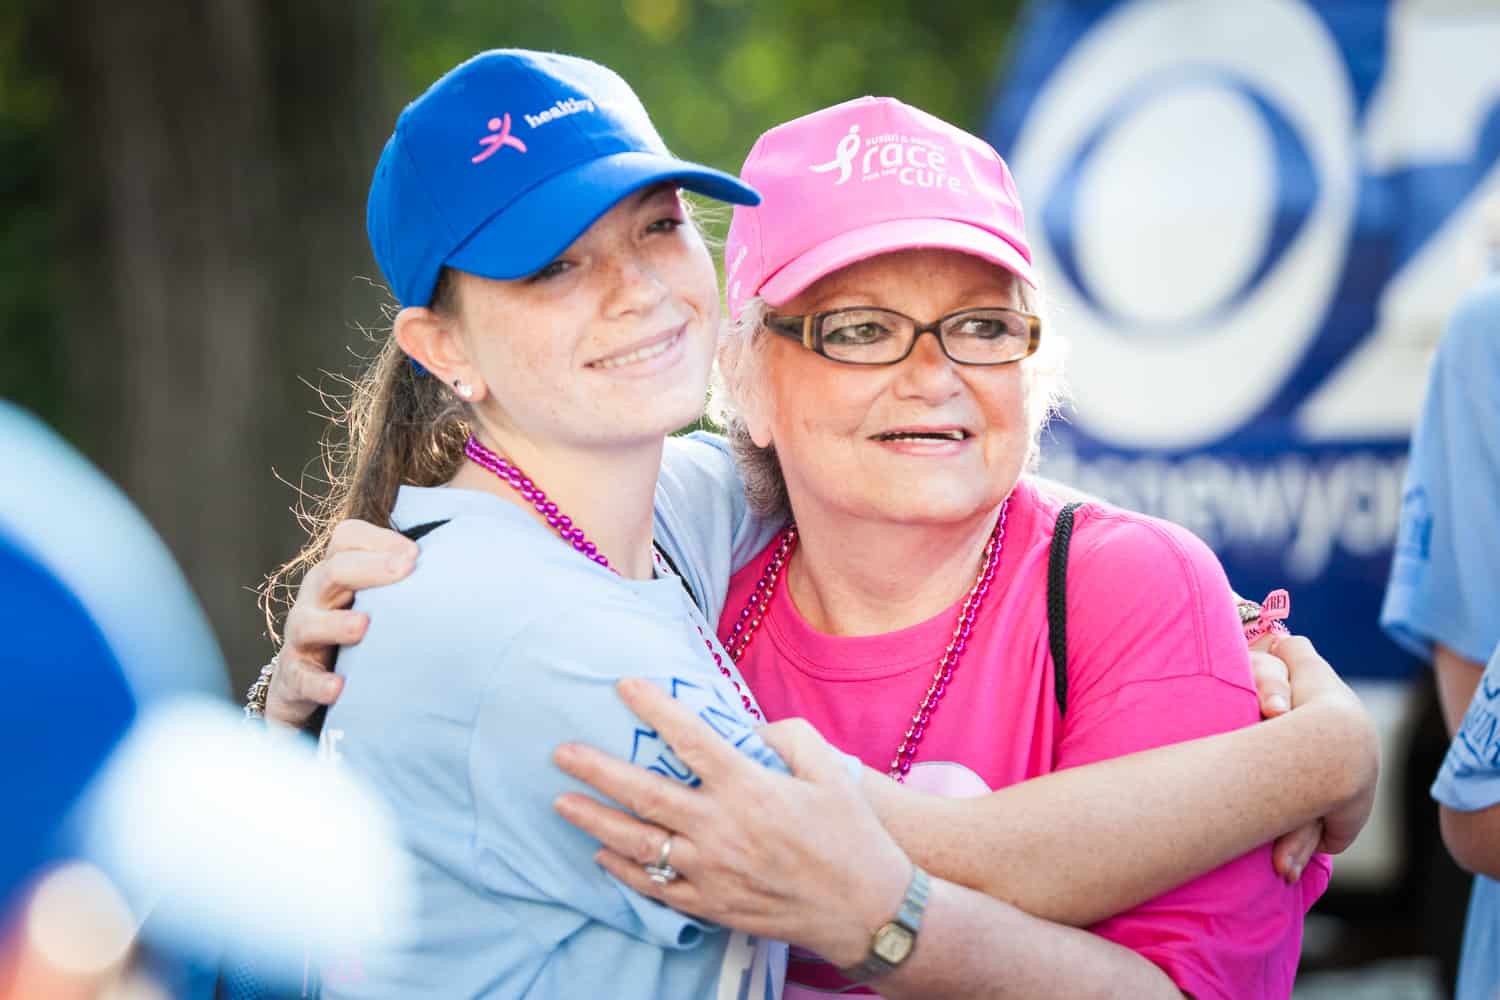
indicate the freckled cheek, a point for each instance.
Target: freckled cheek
{"x":693,"y":278}
{"x":530,"y":367}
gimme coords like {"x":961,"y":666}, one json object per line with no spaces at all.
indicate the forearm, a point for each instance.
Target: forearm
{"x":1473,"y":838}
{"x":1083,"y":844}
{"x":978,"y":948}
{"x":1457,"y":678}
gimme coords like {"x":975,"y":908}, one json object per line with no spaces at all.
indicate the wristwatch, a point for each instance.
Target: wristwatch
{"x":895,"y":940}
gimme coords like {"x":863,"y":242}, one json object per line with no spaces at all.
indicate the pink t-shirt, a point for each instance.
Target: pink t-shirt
{"x":1155,"y":656}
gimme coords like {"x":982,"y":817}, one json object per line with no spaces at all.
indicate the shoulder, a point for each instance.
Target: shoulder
{"x":1125,"y":546}
{"x":699,"y":455}
{"x":1471,"y":341}
{"x":1110,"y":545}
{"x":1148,"y":600}
{"x":698,"y":447}
{"x":484,"y":571}
{"x":698,"y":478}
{"x":1477,"y":311}
{"x":474,"y":533}
{"x":477,"y":559}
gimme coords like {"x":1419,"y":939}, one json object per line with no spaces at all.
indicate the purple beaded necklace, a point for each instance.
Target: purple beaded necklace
{"x":748,"y":623}
{"x":509,"y":473}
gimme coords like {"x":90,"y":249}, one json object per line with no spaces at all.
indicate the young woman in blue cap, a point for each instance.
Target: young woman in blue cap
{"x":562,"y":311}
{"x":559,"y":314}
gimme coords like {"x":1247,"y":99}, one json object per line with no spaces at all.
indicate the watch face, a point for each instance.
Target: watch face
{"x":892,"y":943}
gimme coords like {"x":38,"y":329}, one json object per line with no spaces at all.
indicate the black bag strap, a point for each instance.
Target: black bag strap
{"x":680,"y":578}
{"x":1057,"y":602}
{"x":416,"y":531}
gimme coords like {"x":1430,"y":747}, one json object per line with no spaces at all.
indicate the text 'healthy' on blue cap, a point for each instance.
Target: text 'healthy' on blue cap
{"x":506,"y":160}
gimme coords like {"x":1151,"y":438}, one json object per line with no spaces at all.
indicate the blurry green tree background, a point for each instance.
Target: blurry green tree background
{"x":182,"y":189}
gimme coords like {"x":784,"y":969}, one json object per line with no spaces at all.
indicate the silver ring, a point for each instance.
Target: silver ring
{"x":661,"y":871}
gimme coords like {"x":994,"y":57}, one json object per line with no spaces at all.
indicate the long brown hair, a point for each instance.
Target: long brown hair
{"x":397,"y":425}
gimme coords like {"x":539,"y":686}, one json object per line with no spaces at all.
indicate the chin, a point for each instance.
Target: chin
{"x":932,"y":509}
{"x":666,"y":411}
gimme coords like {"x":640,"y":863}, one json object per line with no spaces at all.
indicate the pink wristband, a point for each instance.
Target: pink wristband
{"x":1267,"y":617}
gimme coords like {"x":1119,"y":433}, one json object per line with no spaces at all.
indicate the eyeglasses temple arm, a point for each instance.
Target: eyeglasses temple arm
{"x":782,"y":325}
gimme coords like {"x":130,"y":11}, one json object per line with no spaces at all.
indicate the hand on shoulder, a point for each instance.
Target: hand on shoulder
{"x":360,"y":555}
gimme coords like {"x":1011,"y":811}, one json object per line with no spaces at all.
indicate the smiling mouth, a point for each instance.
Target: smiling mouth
{"x":953,"y":434}
{"x":639,"y":354}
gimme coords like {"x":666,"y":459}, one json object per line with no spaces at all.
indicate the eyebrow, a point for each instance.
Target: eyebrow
{"x":863,"y":298}
{"x":654,"y":190}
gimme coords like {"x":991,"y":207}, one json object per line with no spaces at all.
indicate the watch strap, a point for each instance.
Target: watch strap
{"x":908,"y":917}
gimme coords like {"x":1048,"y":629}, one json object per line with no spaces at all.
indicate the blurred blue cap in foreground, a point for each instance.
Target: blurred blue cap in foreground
{"x":120,"y":747}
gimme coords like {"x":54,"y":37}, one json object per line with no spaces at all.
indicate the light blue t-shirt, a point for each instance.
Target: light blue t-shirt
{"x":1445,"y":576}
{"x":501,"y":645}
{"x":703,"y":519}
{"x":1469,"y":780}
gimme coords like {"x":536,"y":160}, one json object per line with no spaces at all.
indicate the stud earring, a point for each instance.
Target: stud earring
{"x":463,"y":389}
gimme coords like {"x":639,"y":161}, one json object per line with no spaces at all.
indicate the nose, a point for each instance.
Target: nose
{"x":638,"y":286}
{"x":927,"y":373}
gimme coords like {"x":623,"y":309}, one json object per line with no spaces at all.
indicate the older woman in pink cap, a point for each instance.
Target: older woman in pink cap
{"x":885,"y":568}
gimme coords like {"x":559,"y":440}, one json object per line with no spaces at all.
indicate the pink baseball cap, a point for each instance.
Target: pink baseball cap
{"x":863,"y":178}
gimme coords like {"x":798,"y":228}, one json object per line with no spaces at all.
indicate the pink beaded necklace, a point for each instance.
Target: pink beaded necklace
{"x":509,"y":473}
{"x":746,"y":626}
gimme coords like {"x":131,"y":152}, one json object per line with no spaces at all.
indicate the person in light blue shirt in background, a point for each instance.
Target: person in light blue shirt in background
{"x":1468,"y":788}
{"x":1443,"y":602}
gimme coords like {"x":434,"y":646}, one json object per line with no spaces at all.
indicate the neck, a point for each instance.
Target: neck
{"x":853,"y":577}
{"x":607,"y":491}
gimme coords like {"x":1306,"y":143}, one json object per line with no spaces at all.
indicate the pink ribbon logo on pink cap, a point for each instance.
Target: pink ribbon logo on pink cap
{"x":843,"y":157}
{"x":502,"y":137}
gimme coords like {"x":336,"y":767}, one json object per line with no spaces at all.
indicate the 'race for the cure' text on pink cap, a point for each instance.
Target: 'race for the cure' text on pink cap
{"x":862,"y":178}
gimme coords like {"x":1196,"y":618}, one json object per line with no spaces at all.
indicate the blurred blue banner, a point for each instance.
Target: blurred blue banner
{"x":1253,"y":220}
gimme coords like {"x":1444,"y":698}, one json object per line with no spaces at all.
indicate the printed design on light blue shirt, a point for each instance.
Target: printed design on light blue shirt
{"x":1476,"y":749}
{"x":1414,"y":538}
{"x":650,"y":751}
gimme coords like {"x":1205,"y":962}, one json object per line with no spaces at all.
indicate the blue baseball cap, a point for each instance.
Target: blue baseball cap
{"x":67,"y":704}
{"x":506,"y":160}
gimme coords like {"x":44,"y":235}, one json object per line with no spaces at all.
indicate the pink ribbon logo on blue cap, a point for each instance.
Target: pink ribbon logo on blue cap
{"x":502,"y":137}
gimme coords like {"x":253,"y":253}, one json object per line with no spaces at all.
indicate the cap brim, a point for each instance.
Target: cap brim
{"x":529,"y":233}
{"x":889,"y":237}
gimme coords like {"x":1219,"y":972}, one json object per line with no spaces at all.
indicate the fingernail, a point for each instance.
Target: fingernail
{"x":1278,"y":703}
{"x":565,"y":753}
{"x":1293,"y":874}
{"x":630,"y":685}
{"x":399,"y":564}
{"x":331,"y":687}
